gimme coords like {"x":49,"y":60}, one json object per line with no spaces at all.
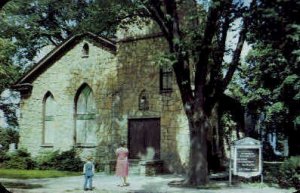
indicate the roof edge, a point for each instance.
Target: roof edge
{"x":111,"y":45}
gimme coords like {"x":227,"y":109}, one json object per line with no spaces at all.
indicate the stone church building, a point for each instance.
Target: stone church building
{"x":91,"y":93}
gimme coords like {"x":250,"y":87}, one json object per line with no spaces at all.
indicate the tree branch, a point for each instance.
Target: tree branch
{"x":221,"y":41}
{"x":236,"y":58}
{"x":238,"y":50}
{"x":165,"y":13}
{"x":158,"y":15}
{"x":221,"y":86}
{"x":205,"y":45}
{"x":219,"y":49}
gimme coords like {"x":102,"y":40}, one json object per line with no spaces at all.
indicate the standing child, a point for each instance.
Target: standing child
{"x":88,"y":172}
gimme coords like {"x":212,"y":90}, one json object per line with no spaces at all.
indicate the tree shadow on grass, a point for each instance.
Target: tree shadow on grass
{"x":183,"y":184}
{"x":21,"y":185}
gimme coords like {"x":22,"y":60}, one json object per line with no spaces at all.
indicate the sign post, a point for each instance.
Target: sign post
{"x":246,"y":158}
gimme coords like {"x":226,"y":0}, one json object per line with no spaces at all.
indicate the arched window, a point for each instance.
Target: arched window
{"x":143,"y":101}
{"x":49,"y":110}
{"x":85,"y":50}
{"x":85,"y":115}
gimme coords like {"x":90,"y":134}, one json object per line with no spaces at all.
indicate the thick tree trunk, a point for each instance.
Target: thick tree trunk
{"x":3,"y":189}
{"x":198,"y":167}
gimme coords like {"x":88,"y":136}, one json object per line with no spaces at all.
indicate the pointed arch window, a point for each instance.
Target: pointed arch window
{"x":85,"y":115}
{"x":49,"y":111}
{"x":85,"y":50}
{"x":143,"y":101}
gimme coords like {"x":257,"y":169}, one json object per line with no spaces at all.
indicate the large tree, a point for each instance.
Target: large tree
{"x":2,"y":188}
{"x":8,"y":71}
{"x":8,"y":74}
{"x":34,"y":24}
{"x":199,"y":42}
{"x":273,"y":87}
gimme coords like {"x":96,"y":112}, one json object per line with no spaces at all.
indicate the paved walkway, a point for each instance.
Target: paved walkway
{"x":138,"y":184}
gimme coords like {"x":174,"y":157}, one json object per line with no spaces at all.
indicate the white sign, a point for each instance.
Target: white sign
{"x":247,"y":157}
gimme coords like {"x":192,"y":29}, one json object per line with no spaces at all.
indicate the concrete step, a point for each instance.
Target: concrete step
{"x":134,"y":167}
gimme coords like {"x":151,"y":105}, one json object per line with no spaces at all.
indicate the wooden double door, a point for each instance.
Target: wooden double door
{"x":144,"y":138}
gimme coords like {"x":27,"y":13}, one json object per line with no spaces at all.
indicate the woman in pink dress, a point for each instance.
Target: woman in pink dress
{"x":122,"y":164}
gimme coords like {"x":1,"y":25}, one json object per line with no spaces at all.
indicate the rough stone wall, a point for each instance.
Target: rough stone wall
{"x":63,"y":80}
{"x":117,"y":82}
{"x":138,"y":70}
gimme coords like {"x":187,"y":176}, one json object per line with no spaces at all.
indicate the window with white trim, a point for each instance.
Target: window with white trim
{"x":49,"y":111}
{"x":85,"y":115}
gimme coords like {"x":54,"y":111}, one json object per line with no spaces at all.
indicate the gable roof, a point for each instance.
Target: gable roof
{"x":58,"y":52}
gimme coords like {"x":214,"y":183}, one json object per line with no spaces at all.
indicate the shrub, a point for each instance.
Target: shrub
{"x":19,"y":160}
{"x":46,"y":160}
{"x":68,"y":161}
{"x":8,"y":136}
{"x":289,"y":173}
{"x":270,"y":171}
{"x":3,"y":158}
{"x":64,"y":161}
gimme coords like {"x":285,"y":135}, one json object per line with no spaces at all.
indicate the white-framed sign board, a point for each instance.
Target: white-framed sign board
{"x":246,"y":158}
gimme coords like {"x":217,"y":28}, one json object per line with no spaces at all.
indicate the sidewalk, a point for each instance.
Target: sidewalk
{"x":138,"y":184}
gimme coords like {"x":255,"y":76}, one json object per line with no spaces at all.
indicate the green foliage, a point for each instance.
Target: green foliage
{"x":8,"y":136}
{"x":274,"y":62}
{"x":8,"y":72}
{"x":35,"y":24}
{"x":68,"y":161}
{"x":276,"y":23}
{"x":269,"y":84}
{"x":272,"y":86}
{"x":34,"y":174}
{"x":229,"y":126}
{"x":46,"y":160}
{"x":19,"y":160}
{"x":64,"y":161}
{"x":297,"y":121}
{"x":289,"y":173}
{"x":276,"y":111}
{"x":6,"y":49}
{"x":3,"y":158}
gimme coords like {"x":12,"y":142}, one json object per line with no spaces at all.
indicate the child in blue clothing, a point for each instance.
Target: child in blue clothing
{"x":88,"y":172}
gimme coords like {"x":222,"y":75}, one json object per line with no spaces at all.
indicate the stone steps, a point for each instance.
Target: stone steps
{"x":145,"y":167}
{"x":134,"y":167}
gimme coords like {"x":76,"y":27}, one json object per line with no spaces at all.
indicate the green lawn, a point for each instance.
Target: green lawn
{"x":28,"y":174}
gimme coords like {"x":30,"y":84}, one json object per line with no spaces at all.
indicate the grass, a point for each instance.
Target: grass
{"x":34,"y":174}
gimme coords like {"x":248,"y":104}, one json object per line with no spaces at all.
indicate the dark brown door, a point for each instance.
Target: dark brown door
{"x":143,"y":134}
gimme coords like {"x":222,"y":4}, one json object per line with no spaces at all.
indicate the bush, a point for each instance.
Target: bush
{"x":64,"y":161}
{"x":270,"y":171}
{"x":18,"y":160}
{"x":68,"y":161}
{"x":46,"y":160}
{"x":8,"y":136}
{"x":289,"y":173}
{"x":3,"y":158}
